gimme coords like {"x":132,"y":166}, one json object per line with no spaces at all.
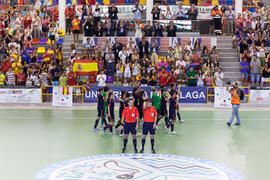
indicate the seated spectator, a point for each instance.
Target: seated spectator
{"x":109,"y":28}
{"x":148,"y":29}
{"x":121,"y":28}
{"x":163,"y":77}
{"x":99,"y":30}
{"x":162,"y":64}
{"x":10,"y":77}
{"x":2,"y":78}
{"x":88,"y":27}
{"x":182,"y":78}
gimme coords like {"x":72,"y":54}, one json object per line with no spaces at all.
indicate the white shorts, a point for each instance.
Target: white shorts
{"x":265,"y":79}
{"x":127,"y":74}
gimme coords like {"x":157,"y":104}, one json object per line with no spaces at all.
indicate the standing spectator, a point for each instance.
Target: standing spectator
{"x":109,"y":28}
{"x":36,"y":26}
{"x":99,"y":30}
{"x":143,"y":47}
{"x":121,"y":28}
{"x":63,"y":80}
{"x":168,"y":14}
{"x":69,"y":16}
{"x":244,"y":69}
{"x":219,"y":76}
{"x":192,"y":77}
{"x":154,"y":51}
{"x":138,"y":29}
{"x":217,"y":14}
{"x":224,"y":20}
{"x":55,"y":14}
{"x":180,"y":13}
{"x":230,"y":20}
{"x":148,"y":29}
{"x":171,"y":30}
{"x":123,"y":55}
{"x":53,"y":32}
{"x":192,"y":12}
{"x":2,"y":78}
{"x":156,"y":12}
{"x":16,"y":66}
{"x":158,"y":28}
{"x":101,"y":79}
{"x":88,"y":27}
{"x":137,"y":11}
{"x":113,"y":12}
{"x":265,"y":75}
{"x":117,"y":47}
{"x":55,"y":73}
{"x":10,"y":77}
{"x":255,"y":71}
{"x":97,"y":13}
{"x":45,"y":26}
{"x":76,"y":29}
{"x":163,"y":77}
{"x":21,"y":78}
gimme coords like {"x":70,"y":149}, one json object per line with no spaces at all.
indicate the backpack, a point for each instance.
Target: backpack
{"x":242,"y":94}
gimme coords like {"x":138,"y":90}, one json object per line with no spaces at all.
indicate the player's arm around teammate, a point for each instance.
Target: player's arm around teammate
{"x":130,"y":119}
{"x":149,"y":125}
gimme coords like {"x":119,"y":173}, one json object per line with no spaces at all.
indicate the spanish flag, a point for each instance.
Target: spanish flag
{"x":14,"y":56}
{"x":65,"y":90}
{"x":85,"y":67}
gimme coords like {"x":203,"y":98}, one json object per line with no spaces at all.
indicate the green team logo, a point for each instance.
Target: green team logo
{"x":141,"y":167}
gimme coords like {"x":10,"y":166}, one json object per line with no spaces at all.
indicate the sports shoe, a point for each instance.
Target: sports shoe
{"x":123,"y":150}
{"x":121,"y":135}
{"x":181,"y":121}
{"x":157,"y":127}
{"x":173,"y":132}
{"x":95,"y":129}
{"x":135,"y":151}
{"x":237,"y":124}
{"x":166,"y":128}
{"x":141,"y":151}
{"x":228,"y":124}
{"x":153,"y":151}
{"x":112,"y":133}
{"x":138,"y":134}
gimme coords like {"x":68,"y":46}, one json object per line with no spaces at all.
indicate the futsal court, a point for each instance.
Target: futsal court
{"x":34,"y":139}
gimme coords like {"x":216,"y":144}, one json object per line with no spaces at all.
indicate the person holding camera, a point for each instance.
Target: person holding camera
{"x":235,"y":101}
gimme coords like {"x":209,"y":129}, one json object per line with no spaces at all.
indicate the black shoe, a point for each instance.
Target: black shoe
{"x":141,"y":151}
{"x":123,"y":150}
{"x":153,"y":151}
{"x":237,"y":124}
{"x":228,"y":124}
{"x":135,"y":151}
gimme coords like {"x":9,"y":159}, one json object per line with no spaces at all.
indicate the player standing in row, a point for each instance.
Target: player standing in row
{"x":172,"y":111}
{"x":149,"y":125}
{"x":163,"y":112}
{"x":110,"y":113}
{"x":156,"y":99}
{"x":123,"y":103}
{"x":172,"y":89}
{"x":100,"y":108}
{"x":130,"y":119}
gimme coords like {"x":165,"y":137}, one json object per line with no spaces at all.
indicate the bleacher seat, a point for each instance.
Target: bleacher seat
{"x":49,"y":42}
{"x":120,"y":2}
{"x":35,"y":41}
{"x":143,"y":2}
{"x":50,"y":51}
{"x":61,"y":33}
{"x":127,"y":1}
{"x":43,"y":41}
{"x":60,"y":41}
{"x":41,"y":50}
{"x":39,"y":59}
{"x":110,"y":79}
{"x":113,"y":1}
{"x":99,"y":1}
{"x":171,"y":2}
{"x":106,"y":2}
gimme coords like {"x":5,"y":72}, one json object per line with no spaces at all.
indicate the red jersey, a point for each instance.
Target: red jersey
{"x":172,"y":78}
{"x":6,"y":65}
{"x":130,"y":115}
{"x":55,"y":14}
{"x":69,"y":13}
{"x":149,"y":114}
{"x":163,"y":78}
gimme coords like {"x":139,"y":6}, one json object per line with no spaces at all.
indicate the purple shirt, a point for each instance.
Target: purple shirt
{"x":165,"y":64}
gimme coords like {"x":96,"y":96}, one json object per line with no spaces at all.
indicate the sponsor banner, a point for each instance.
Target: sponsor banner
{"x":259,"y":97}
{"x":222,"y":98}
{"x":20,"y":95}
{"x":62,"y":96}
{"x":187,"y":94}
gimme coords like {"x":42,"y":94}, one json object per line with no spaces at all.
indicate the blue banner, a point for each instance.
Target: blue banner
{"x":187,"y":94}
{"x":90,"y":95}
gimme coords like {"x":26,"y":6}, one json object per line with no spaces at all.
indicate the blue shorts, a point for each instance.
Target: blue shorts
{"x":255,"y":77}
{"x":245,"y":74}
{"x":130,"y":128}
{"x":148,"y":127}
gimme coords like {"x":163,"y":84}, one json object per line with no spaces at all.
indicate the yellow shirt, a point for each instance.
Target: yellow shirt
{"x":16,"y":67}
{"x":2,"y":79}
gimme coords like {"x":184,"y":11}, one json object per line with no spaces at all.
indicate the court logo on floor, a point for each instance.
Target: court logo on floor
{"x":141,"y":166}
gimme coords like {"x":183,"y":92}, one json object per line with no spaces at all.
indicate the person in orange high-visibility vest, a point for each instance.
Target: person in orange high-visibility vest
{"x":235,"y":101}
{"x":216,"y":15}
{"x":76,"y":29}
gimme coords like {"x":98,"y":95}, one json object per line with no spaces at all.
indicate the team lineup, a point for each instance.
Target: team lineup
{"x":136,"y":108}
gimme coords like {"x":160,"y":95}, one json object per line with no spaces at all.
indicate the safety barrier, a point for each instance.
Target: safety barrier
{"x":211,"y":94}
{"x":78,"y":94}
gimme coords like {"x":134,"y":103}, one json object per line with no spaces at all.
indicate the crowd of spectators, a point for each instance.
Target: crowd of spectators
{"x":252,"y":39}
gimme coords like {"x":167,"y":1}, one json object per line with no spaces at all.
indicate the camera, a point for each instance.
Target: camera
{"x":228,"y":83}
